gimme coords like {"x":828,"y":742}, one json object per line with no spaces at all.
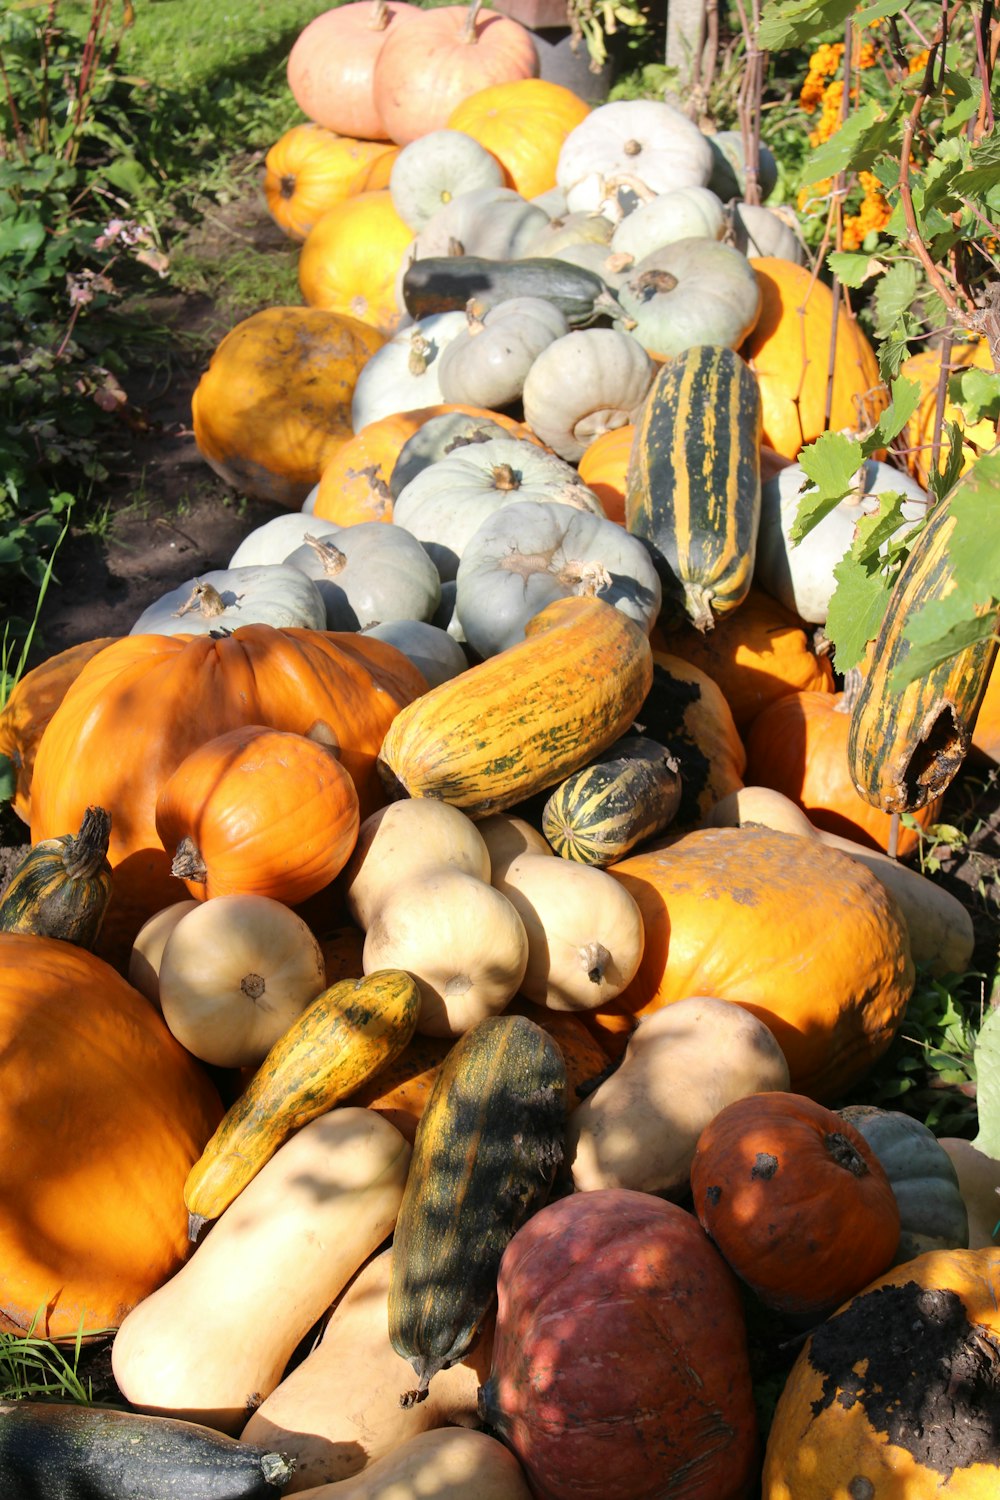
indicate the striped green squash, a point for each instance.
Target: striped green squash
{"x":62,"y":887}
{"x":693,"y":486}
{"x":597,"y":815}
{"x":340,"y":1040}
{"x":486,"y":1151}
{"x":905,"y":745}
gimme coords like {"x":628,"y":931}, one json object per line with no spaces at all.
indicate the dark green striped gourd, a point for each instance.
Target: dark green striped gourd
{"x":597,"y":815}
{"x":486,"y":1151}
{"x":906,"y":744}
{"x":62,"y":887}
{"x":693,"y":485}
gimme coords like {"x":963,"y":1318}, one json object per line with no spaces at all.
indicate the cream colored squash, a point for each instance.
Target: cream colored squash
{"x":449,"y":1463}
{"x":640,"y":139}
{"x":402,"y":840}
{"x":463,"y":942}
{"x":584,"y":940}
{"x":940,"y":927}
{"x":590,"y":381}
{"x":234,"y":974}
{"x":683,"y":1064}
{"x":507,"y":836}
{"x":979,"y":1184}
{"x":213,"y":1342}
{"x":339,"y":1410}
{"x":147,"y":950}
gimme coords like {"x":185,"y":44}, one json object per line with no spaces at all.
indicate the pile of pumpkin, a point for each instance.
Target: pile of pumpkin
{"x":452,"y":928}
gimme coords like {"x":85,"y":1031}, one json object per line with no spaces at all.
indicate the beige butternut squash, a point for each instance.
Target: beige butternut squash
{"x":339,"y":1410}
{"x":683,"y":1064}
{"x":214,"y":1340}
{"x":404,"y":839}
{"x":450,"y":1463}
{"x":506,"y":836}
{"x":979,"y":1185}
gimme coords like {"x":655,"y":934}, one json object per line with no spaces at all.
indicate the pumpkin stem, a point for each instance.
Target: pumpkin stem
{"x":196,"y":1223}
{"x":469,"y":29}
{"x":188,"y":863}
{"x":595,"y":959}
{"x":585,"y":577}
{"x":632,"y":147}
{"x":845,"y":1154}
{"x":379,"y":17}
{"x":698,"y":600}
{"x":84,"y":855}
{"x":420,"y":354}
{"x":287,"y":186}
{"x":276,"y":1469}
{"x":253,"y":986}
{"x":205,"y":599}
{"x":334,"y":561}
{"x":506,"y":478}
{"x":618,"y":260}
{"x":652,"y":283}
{"x":593,"y":423}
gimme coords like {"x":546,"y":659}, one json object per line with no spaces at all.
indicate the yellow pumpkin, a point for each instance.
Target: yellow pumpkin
{"x":351,"y":258}
{"x":523,"y":123}
{"x":310,"y":169}
{"x":918,"y":434}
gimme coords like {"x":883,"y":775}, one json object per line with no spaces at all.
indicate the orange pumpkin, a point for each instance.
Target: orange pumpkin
{"x":756,"y":654}
{"x":351,"y":258}
{"x":355,"y":484}
{"x":523,"y":124}
{"x":798,"y":746}
{"x":332,"y":64}
{"x":789,"y":352}
{"x":985,"y":731}
{"x":893,"y":1398}
{"x":378,"y":171}
{"x":309,"y":170}
{"x":141,"y":706}
{"x":918,"y":434}
{"x":817,"y":951}
{"x":33,"y":701}
{"x":274,"y":404}
{"x":796,"y":1200}
{"x":423,"y":71}
{"x":604,"y":467}
{"x":258,"y":811}
{"x":105,"y":1116}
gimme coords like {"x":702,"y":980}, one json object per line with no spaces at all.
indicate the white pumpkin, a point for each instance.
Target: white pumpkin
{"x":429,"y":647}
{"x":369,"y":573}
{"x":262,"y":594}
{"x":403,"y":374}
{"x":588,"y":382}
{"x":272,"y":542}
{"x":436,"y":168}
{"x":645,"y":139}
{"x":684,"y":213}
{"x":487,"y":364}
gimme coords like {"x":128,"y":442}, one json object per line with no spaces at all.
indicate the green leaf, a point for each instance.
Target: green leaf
{"x":21,"y":236}
{"x":8,"y":778}
{"x":987,"y":1060}
{"x":894,"y":349}
{"x":873,"y":532}
{"x":831,"y":463}
{"x":984,"y":163}
{"x":903,"y":402}
{"x":942,"y":482}
{"x":797,"y":23}
{"x":895,"y":294}
{"x":925,"y":657}
{"x":851,"y":269}
{"x":857,"y":609}
{"x":977,"y":392}
{"x":839,"y":152}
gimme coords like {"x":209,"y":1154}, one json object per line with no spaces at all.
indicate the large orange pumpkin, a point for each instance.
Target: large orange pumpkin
{"x":894,"y":1397}
{"x":819,"y":952}
{"x":985,"y":731}
{"x":423,"y":71}
{"x":136,"y":710}
{"x":332,"y":64}
{"x":310,"y":169}
{"x":351,"y":258}
{"x":789,"y":352}
{"x":918,"y":434}
{"x":34,"y":700}
{"x":104,"y":1114}
{"x":523,"y":124}
{"x":274,"y":404}
{"x":798,"y":746}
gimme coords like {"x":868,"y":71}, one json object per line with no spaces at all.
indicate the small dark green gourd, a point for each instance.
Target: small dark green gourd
{"x":485,"y":1154}
{"x":598,"y":814}
{"x":62,"y":887}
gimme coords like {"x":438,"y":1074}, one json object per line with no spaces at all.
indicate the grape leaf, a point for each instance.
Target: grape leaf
{"x":925,"y":657}
{"x":831,"y":463}
{"x":986,"y":1056}
{"x":798,"y":23}
{"x":895,"y":294}
{"x":852,"y":270}
{"x":977,"y":392}
{"x":903,"y":402}
{"x":873,"y":532}
{"x":848,"y":146}
{"x":857,"y":609}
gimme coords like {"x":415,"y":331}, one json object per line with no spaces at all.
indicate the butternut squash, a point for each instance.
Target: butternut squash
{"x":448,"y":1464}
{"x":338,"y":1411}
{"x":214,"y":1340}
{"x":407,"y":838}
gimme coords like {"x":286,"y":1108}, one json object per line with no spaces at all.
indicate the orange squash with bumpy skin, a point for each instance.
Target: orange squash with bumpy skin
{"x":104,"y":1114}
{"x":817,"y":951}
{"x":274,"y":404}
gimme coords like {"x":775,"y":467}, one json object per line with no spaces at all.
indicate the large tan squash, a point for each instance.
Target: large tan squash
{"x":215,"y":1340}
{"x":449,"y":1463}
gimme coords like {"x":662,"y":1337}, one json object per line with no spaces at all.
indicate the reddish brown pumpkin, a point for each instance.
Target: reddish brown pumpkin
{"x":796,"y":1200}
{"x":620,"y":1368}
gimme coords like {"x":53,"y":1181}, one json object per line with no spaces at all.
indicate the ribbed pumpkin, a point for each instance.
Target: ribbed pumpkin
{"x":604,"y":466}
{"x":62,"y":887}
{"x":310,"y":169}
{"x":756,"y":654}
{"x":796,"y":1201}
{"x":798,"y":746}
{"x":918,"y":434}
{"x":450,"y":53}
{"x":331,"y":65}
{"x":349,"y":261}
{"x":523,"y":123}
{"x":33,"y":701}
{"x":817,"y":951}
{"x":139,"y":708}
{"x":104,"y":1114}
{"x":258,"y":811}
{"x":789,"y":352}
{"x":894,"y":1397}
{"x":274,"y":404}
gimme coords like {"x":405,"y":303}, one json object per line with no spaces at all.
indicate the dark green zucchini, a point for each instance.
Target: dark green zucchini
{"x":62,"y":887}
{"x":486,"y":1150}
{"x":693,"y":486}
{"x":598,"y":814}
{"x":905,"y":745}
{"x":61,"y":1451}
{"x":442,"y":283}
